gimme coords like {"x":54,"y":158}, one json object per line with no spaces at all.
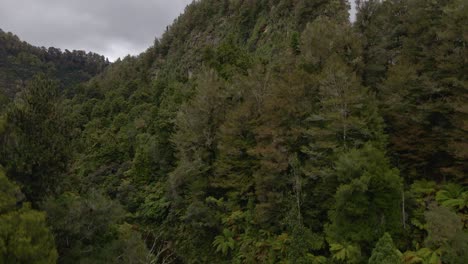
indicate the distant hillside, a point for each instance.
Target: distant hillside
{"x":20,"y":61}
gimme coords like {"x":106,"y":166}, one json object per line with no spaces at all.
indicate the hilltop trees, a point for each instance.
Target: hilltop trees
{"x":20,"y":62}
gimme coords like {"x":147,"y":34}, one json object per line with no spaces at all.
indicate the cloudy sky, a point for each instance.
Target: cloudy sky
{"x":113,"y":28}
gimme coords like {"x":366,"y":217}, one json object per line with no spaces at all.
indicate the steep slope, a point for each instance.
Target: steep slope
{"x":263,"y":131}
{"x":228,"y":36}
{"x":248,"y":124}
{"x":128,"y":114}
{"x":416,"y":61}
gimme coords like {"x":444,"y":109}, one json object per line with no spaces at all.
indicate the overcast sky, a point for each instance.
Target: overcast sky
{"x":113,"y":28}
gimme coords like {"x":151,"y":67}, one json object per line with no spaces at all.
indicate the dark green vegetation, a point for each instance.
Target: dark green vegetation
{"x":19,"y":62}
{"x":252,"y":132}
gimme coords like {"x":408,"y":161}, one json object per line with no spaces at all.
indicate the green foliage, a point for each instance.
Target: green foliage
{"x":345,"y":253}
{"x":316,"y":259}
{"x":422,"y":256}
{"x":295,"y":43}
{"x":228,"y":59}
{"x":385,"y":252}
{"x":21,"y":61}
{"x":453,"y":196}
{"x":36,"y":140}
{"x":224,"y":242}
{"x":341,"y":102}
{"x":421,"y":90}
{"x":90,"y":229}
{"x":442,"y":226}
{"x":127,"y":247}
{"x":155,"y":205}
{"x":446,"y":234}
{"x":251,"y":132}
{"x":24,"y":235}
{"x":368,"y":204}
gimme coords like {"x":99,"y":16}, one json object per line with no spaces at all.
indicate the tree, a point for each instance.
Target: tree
{"x":385,"y":252}
{"x":191,"y":182}
{"x":381,"y":24}
{"x":346,"y":109}
{"x":325,"y":37}
{"x":24,"y":235}
{"x":368,"y":203}
{"x":345,"y":253}
{"x":127,"y":247}
{"x":442,"y":226}
{"x":453,"y":196}
{"x":423,"y":256}
{"x":195,"y":138}
{"x":424,"y":94}
{"x":344,"y":114}
{"x":36,"y":139}
{"x":90,"y":229}
{"x":445,"y":234}
{"x":452,"y":63}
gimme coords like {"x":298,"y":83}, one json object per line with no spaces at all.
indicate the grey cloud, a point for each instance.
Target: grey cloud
{"x":113,"y":28}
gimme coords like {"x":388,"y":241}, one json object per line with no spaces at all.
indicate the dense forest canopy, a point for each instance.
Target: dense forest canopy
{"x":20,"y":61}
{"x":263,"y":131}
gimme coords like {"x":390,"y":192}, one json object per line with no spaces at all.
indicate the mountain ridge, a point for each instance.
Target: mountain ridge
{"x":19,"y":61}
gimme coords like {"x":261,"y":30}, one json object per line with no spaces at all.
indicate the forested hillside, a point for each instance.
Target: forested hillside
{"x":20,"y":61}
{"x":263,"y":131}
